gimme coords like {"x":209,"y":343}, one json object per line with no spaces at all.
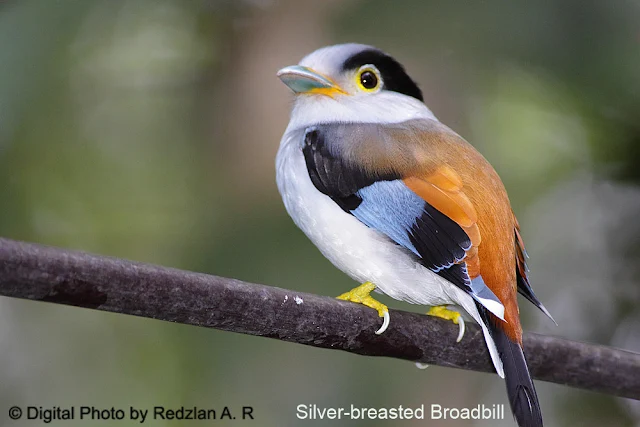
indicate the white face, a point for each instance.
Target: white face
{"x":358,"y":98}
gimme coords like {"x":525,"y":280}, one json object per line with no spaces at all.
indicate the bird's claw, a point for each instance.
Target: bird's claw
{"x":361,"y":295}
{"x":444,"y":313}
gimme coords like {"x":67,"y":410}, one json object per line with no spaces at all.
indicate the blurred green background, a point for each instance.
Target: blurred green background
{"x":147,"y":129}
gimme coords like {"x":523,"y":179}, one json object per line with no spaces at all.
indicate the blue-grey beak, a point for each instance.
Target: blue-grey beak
{"x":304,"y":80}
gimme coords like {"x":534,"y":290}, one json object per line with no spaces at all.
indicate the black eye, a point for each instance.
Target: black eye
{"x":368,"y":80}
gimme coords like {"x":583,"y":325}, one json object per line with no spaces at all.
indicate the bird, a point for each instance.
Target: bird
{"x":404,"y":205}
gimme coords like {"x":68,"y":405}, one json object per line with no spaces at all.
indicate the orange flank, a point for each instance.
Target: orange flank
{"x":468,"y":190}
{"x":443,"y":191}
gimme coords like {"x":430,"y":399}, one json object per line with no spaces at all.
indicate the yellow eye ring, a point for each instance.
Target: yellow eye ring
{"x":368,"y":78}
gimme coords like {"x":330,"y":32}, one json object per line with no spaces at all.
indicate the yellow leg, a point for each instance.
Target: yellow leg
{"x":361,"y":295}
{"x":446,"y":314}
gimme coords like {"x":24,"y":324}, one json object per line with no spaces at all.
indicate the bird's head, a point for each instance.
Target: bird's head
{"x":352,"y":83}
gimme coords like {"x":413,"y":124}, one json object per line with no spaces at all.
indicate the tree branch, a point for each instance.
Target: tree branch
{"x":55,"y":275}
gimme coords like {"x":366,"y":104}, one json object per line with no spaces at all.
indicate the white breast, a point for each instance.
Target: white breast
{"x":361,"y":252}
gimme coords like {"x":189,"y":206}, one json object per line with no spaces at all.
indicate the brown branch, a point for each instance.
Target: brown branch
{"x":55,"y":275}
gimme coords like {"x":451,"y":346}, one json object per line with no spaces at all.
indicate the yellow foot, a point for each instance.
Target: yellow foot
{"x":361,"y":295}
{"x":446,"y":314}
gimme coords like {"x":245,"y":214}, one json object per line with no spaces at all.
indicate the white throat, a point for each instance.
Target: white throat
{"x":382,"y":107}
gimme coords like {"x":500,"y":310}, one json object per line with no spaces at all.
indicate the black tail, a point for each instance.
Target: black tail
{"x":520,"y":388}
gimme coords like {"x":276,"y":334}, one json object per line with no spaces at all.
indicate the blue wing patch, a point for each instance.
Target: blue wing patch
{"x":391,"y":208}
